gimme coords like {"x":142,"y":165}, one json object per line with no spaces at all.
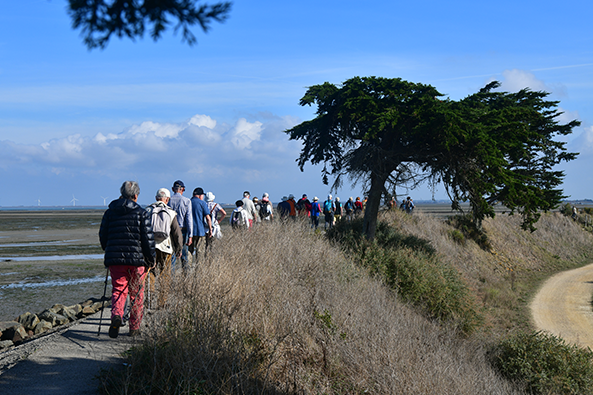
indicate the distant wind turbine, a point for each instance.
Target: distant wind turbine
{"x":73,"y":200}
{"x":104,"y":200}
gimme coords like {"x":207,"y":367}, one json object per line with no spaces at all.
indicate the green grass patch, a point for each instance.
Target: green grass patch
{"x":545,"y":364}
{"x":465,"y":228}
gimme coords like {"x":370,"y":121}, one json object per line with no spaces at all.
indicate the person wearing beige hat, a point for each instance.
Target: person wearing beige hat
{"x":168,"y":243}
{"x":217,"y":214}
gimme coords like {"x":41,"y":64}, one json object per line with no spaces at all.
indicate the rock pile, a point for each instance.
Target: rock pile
{"x":27,"y":325}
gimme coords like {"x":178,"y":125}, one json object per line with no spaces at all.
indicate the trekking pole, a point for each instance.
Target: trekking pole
{"x":103,"y":300}
{"x":148,"y":293}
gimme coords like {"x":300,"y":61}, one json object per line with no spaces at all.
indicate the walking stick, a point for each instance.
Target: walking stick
{"x":103,"y":300}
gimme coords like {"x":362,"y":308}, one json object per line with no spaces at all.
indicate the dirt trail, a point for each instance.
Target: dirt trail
{"x":563,"y":306}
{"x":64,"y":363}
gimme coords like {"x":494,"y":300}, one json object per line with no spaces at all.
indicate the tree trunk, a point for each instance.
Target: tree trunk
{"x":372,"y":207}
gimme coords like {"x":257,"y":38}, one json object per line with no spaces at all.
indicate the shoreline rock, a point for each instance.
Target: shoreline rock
{"x":28,"y":326}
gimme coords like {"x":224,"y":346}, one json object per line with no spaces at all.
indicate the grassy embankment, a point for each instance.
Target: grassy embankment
{"x":282,"y":310}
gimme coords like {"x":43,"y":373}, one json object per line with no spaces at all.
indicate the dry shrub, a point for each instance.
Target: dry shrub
{"x":279,"y":310}
{"x":506,"y":275}
{"x":557,"y":240}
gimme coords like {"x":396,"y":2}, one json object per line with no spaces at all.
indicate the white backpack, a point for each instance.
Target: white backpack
{"x":161,"y":223}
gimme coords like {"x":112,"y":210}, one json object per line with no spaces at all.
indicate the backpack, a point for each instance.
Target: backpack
{"x":300,"y":204}
{"x":349,"y":206}
{"x":263,"y":210}
{"x":327,"y":207}
{"x":338,"y":209}
{"x":236,"y":219}
{"x":161,"y":223}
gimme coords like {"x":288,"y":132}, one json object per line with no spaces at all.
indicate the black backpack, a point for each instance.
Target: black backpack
{"x":263,"y":210}
{"x":236,"y":219}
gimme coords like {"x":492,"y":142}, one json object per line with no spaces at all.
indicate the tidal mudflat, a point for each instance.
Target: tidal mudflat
{"x":49,"y":257}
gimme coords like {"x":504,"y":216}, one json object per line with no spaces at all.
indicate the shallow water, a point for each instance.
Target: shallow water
{"x":40,"y":243}
{"x":54,"y":283}
{"x":52,"y":258}
{"x":34,"y":275}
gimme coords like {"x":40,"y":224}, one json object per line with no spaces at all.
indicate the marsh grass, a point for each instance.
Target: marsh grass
{"x":280,"y":310}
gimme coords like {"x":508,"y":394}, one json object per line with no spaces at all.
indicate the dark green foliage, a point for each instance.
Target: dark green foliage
{"x":349,"y":234}
{"x":457,"y":236}
{"x":467,"y":226}
{"x":410,"y":266}
{"x":499,"y":147}
{"x":99,"y":19}
{"x":370,"y":129}
{"x":545,"y":364}
{"x":566,"y":209}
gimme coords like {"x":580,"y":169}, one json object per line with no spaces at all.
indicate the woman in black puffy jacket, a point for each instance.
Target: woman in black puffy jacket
{"x":127,"y":239}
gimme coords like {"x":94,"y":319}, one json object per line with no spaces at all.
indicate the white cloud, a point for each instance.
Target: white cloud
{"x":195,"y":145}
{"x":102,"y":139}
{"x":244,"y":133}
{"x":160,"y":130}
{"x":225,"y":158}
{"x":203,"y":120}
{"x":567,"y":116}
{"x":583,"y":143}
{"x":515,"y":80}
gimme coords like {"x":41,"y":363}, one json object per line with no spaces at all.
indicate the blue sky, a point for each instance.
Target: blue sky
{"x":75,"y":122}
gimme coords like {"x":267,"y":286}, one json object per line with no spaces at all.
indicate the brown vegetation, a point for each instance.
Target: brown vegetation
{"x":506,"y":273}
{"x":280,"y":310}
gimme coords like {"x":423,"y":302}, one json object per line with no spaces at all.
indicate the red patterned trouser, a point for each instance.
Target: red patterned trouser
{"x":126,"y":280}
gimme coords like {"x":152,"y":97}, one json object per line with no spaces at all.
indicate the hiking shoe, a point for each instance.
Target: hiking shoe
{"x":114,"y":327}
{"x":134,"y":332}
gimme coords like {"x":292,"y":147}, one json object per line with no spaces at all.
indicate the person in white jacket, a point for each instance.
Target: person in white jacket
{"x":239,"y":218}
{"x":168,"y":242}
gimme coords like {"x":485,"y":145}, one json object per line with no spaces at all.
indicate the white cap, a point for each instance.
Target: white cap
{"x":210,"y":197}
{"x":163,"y":191}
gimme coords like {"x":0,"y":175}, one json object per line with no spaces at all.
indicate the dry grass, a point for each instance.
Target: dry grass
{"x":279,"y":310}
{"x":557,"y":238}
{"x":506,"y":276}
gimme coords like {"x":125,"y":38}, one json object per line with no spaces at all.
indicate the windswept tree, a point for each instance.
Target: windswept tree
{"x":99,"y":19}
{"x":370,"y":130}
{"x":388,"y":133}
{"x":500,"y":148}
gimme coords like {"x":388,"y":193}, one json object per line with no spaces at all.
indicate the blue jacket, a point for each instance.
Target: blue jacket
{"x":315,"y":209}
{"x":199,"y":211}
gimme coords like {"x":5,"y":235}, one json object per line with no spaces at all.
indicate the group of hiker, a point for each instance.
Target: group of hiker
{"x":139,"y":242}
{"x":250,"y":212}
{"x":406,"y":205}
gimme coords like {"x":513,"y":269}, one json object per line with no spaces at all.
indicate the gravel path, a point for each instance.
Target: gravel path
{"x":563,"y":306}
{"x":65,"y":362}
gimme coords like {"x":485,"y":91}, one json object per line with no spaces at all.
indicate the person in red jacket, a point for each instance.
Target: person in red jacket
{"x":358,"y":207}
